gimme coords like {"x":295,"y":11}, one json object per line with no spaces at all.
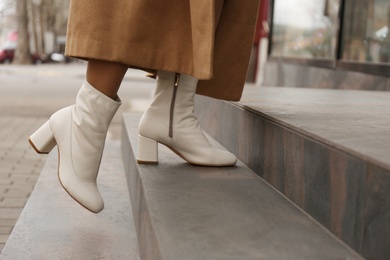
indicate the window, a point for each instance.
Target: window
{"x":365,"y":36}
{"x":305,"y":29}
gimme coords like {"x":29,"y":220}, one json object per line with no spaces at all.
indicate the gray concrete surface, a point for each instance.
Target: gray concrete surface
{"x":28,"y":96}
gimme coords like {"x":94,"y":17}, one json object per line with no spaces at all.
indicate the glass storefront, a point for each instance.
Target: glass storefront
{"x":365,"y":35}
{"x":305,"y":28}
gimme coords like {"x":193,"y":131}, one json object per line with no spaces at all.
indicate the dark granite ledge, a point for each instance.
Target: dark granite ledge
{"x":356,"y":122}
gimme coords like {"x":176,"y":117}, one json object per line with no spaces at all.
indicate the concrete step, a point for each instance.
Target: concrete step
{"x":189,"y":212}
{"x":327,"y":150}
{"x":53,"y":226}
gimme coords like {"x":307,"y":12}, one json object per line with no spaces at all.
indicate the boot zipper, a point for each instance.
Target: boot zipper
{"x":172,"y":110}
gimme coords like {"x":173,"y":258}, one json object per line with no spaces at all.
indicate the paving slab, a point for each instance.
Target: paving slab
{"x":5,"y":230}
{"x":19,"y":166}
{"x":13,"y":202}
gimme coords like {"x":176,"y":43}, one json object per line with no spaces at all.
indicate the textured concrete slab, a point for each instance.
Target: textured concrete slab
{"x":326,"y":150}
{"x":53,"y":226}
{"x":183,"y":211}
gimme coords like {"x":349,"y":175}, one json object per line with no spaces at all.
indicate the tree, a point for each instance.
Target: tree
{"x":22,"y":53}
{"x":48,"y":20}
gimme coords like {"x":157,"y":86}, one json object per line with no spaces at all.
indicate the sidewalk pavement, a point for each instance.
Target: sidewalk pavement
{"x":20,"y":168}
{"x":29,"y":95}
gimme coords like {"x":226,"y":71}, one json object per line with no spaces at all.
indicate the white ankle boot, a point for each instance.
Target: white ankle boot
{"x":80,"y":132}
{"x":170,"y":121}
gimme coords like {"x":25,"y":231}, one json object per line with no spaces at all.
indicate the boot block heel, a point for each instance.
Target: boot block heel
{"x":43,"y":139}
{"x":147,"y":151}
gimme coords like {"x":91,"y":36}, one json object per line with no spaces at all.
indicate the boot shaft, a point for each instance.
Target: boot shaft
{"x":94,"y":108}
{"x":174,"y":97}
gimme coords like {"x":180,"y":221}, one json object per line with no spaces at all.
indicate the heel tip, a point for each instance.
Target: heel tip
{"x":147,"y":162}
{"x":36,"y":150}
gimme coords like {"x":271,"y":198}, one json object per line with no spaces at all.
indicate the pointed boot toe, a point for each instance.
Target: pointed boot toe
{"x":86,"y":193}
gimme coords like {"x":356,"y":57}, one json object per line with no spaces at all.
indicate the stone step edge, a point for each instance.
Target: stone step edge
{"x":150,"y":234}
{"x":315,"y":184}
{"x":320,"y":139}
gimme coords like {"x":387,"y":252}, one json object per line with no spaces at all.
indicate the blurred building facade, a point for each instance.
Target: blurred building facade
{"x":328,"y":44}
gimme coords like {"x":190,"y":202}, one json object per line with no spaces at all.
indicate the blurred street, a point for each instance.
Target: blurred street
{"x":29,"y":95}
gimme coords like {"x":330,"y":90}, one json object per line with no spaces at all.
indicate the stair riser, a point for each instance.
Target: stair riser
{"x":146,"y":236}
{"x":344,"y":193}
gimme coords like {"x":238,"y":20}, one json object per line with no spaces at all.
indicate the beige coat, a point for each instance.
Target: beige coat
{"x":208,"y":39}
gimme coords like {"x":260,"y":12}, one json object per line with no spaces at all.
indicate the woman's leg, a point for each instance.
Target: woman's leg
{"x":80,"y":131}
{"x":106,"y":76}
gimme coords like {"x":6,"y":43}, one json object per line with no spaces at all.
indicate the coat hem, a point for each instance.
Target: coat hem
{"x":150,"y":68}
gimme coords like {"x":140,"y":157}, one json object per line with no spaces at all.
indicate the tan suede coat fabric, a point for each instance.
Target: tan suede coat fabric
{"x":208,"y":39}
